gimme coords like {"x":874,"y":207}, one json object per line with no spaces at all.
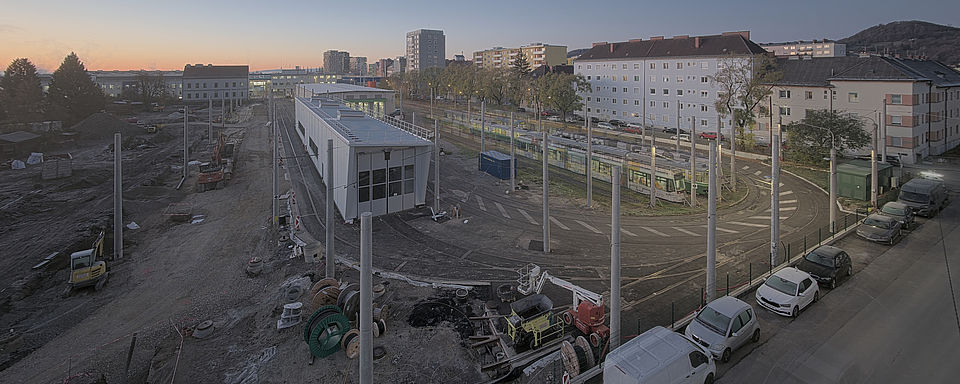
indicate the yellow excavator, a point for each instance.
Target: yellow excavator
{"x":87,"y":267}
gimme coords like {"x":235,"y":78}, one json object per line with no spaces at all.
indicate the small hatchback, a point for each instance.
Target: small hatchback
{"x":724,"y":325}
{"x":788,"y":291}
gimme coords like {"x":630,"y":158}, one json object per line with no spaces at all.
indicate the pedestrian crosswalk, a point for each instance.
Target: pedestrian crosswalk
{"x":527,"y":216}
{"x":588,"y":226}
{"x":558,"y":223}
{"x":502,"y":210}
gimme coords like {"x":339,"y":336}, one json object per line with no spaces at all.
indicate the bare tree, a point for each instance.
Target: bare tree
{"x":743,"y":82}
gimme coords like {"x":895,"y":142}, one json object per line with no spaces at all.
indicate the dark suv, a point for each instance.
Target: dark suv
{"x":618,"y":123}
{"x":827,"y":265}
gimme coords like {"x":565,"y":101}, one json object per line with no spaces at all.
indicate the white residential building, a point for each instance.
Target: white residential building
{"x":654,"y":81}
{"x":815,"y":48}
{"x":215,"y":82}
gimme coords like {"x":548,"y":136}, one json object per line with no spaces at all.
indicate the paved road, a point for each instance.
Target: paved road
{"x":895,"y":321}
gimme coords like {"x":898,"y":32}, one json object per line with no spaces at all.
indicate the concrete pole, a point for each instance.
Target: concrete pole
{"x":615,"y":259}
{"x":436,"y":167}
{"x":873,"y":170}
{"x":483,"y":115}
{"x":711,"y":288}
{"x":733,"y":151}
{"x":546,"y":194}
{"x":223,"y":111}
{"x":676,"y":152}
{"x":653,"y":177}
{"x":186,"y":154}
{"x":366,"y":298}
{"x":833,"y":188}
{"x":210,"y":120}
{"x":589,"y":161}
{"x":883,"y":133}
{"x":117,"y":199}
{"x":276,"y":162}
{"x":331,"y":263}
{"x":413,"y":119}
{"x":693,"y":163}
{"x":513,"y":158}
{"x":774,"y":198}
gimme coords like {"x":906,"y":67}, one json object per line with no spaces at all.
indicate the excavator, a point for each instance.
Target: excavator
{"x":87,"y":267}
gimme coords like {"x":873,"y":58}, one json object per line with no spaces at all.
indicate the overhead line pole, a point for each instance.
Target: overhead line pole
{"x":331,"y":261}
{"x":117,"y":198}
{"x":711,"y":286}
{"x":589,"y":162}
{"x":615,"y":259}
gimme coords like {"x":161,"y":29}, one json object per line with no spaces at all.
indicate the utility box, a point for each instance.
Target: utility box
{"x":497,"y":164}
{"x":57,"y":166}
{"x":853,"y":179}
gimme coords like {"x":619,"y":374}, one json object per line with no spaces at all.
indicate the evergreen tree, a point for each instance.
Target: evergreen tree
{"x":73,"y":95}
{"x":21,"y":95}
{"x":521,"y":65}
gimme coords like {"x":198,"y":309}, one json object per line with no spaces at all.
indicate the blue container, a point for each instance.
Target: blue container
{"x":496,"y":164}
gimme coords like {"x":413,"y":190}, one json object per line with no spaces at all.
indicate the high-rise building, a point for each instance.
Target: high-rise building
{"x":336,"y":62}
{"x":358,"y":66}
{"x":537,"y":54}
{"x":426,"y":48}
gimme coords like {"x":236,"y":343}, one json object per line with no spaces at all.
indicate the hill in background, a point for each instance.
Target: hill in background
{"x":909,"y":38}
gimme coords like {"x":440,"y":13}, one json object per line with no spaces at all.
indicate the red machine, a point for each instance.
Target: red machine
{"x":587,"y":313}
{"x":211,"y":173}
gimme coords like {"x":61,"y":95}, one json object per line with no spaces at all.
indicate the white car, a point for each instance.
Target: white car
{"x":683,"y":137}
{"x":554,"y":118}
{"x":788,"y":292}
{"x":606,"y":125}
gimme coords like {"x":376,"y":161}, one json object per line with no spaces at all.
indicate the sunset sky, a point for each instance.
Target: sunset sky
{"x":132,"y":34}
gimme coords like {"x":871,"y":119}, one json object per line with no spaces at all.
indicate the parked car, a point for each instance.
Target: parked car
{"x":683,"y":137}
{"x":554,"y":118}
{"x":574,"y":119}
{"x":618,"y":123}
{"x":546,"y":113}
{"x":674,"y":130}
{"x":632,"y":128}
{"x":659,"y":356}
{"x":892,"y":160}
{"x":724,"y":325}
{"x":924,"y":196}
{"x":521,"y":109}
{"x":901,"y":212}
{"x":881,"y":229}
{"x":827,"y":265}
{"x":593,"y":119}
{"x":606,"y":125}
{"x":788,"y":291}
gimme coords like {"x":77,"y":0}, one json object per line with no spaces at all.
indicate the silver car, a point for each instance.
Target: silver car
{"x":724,"y":325}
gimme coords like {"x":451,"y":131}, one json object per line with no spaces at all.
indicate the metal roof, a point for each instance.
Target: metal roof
{"x":209,"y":71}
{"x":820,"y":71}
{"x":359,"y":129}
{"x":321,"y":88}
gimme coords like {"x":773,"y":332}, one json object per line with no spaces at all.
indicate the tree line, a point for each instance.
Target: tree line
{"x":516,"y":85}
{"x":71,"y":96}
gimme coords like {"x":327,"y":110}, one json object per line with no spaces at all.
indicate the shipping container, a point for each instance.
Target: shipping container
{"x":496,"y":164}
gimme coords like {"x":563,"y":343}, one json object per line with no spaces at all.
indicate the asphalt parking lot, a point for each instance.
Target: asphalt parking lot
{"x":857,"y":330}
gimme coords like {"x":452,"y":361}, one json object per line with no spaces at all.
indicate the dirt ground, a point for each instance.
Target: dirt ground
{"x":175,"y":275}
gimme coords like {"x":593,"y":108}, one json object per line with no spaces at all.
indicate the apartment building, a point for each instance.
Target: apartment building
{"x":358,"y":66}
{"x":114,"y":83}
{"x":537,"y":54}
{"x":661,"y":82}
{"x":426,"y":48}
{"x":336,"y":62}
{"x":914,"y":104}
{"x":215,"y":82}
{"x":812,"y":48}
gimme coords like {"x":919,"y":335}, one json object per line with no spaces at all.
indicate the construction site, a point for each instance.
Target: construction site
{"x":238,"y":246}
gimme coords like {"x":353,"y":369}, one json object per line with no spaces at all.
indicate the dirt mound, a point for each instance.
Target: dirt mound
{"x":102,"y":126}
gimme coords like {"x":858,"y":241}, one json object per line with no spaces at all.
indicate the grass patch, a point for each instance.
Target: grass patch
{"x":820,"y":177}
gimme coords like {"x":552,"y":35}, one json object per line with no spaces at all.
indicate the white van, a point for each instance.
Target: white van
{"x":659,"y":356}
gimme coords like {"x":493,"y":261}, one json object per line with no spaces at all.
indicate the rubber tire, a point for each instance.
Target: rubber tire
{"x":532,"y":343}
{"x":833,"y":283}
{"x":567,"y":318}
{"x":725,"y":356}
{"x":709,"y":379}
{"x":816,"y":297}
{"x":796,"y":312}
{"x":849,"y":270}
{"x":756,"y":336}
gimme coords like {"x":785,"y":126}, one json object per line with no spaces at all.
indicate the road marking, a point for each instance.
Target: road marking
{"x":400,"y":266}
{"x":502,"y":211}
{"x":686,"y":231}
{"x":783,"y":209}
{"x":654,"y":231}
{"x":757,"y":173}
{"x":559,"y":224}
{"x":722,"y":229}
{"x":625,"y":231}
{"x":788,"y":202}
{"x":527,"y":215}
{"x":747,"y":224}
{"x":786,"y":193}
{"x":765,"y":217}
{"x":745,"y":168}
{"x":480,"y":203}
{"x":588,"y":226}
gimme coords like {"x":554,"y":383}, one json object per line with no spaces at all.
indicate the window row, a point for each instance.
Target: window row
{"x":215,"y":85}
{"x":663,"y":65}
{"x":216,"y":95}
{"x":384,"y":182}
